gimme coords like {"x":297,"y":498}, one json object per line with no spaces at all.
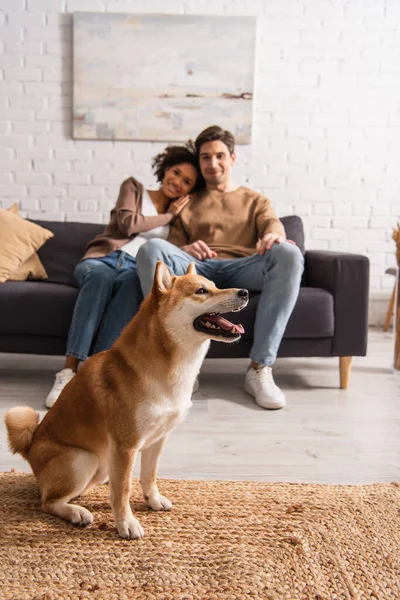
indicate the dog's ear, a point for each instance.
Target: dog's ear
{"x":191,"y":269}
{"x":162,"y":278}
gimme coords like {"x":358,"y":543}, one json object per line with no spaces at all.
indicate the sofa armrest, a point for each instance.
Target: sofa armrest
{"x":346,"y":277}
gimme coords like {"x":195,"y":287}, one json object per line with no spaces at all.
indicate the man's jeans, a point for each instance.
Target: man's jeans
{"x":109,"y":297}
{"x":276,"y":274}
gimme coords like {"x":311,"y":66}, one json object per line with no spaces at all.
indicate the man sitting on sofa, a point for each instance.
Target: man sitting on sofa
{"x":233,"y":235}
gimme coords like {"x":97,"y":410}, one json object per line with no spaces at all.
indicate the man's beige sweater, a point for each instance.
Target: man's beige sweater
{"x":230,"y":223}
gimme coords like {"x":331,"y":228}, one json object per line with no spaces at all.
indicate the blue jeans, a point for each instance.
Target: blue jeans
{"x":276,"y":274}
{"x":108,"y":299}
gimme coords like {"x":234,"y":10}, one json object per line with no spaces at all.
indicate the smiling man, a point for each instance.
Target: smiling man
{"x":235,"y":238}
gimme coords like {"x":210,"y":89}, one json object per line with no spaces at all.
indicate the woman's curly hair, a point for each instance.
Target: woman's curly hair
{"x":176,"y":155}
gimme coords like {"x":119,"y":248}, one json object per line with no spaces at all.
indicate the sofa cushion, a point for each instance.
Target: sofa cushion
{"x":312,"y":316}
{"x":18,"y":241}
{"x":32,"y":268}
{"x":61,"y":254}
{"x":36,"y":308}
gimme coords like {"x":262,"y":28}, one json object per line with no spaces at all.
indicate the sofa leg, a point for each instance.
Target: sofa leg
{"x":345,"y":368}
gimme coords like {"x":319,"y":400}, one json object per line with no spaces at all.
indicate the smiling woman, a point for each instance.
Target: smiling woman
{"x":110,"y":292}
{"x":177,"y":174}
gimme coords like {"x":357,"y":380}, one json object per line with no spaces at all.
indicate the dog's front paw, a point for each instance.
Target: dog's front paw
{"x":130,"y":529}
{"x":158,"y":502}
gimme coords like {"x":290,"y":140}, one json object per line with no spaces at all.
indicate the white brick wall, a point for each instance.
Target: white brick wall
{"x":326,"y":141}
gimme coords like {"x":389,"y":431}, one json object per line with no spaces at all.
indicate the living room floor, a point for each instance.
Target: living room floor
{"x":324,"y":435}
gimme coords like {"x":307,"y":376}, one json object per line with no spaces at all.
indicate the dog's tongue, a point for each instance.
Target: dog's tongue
{"x":224,"y":323}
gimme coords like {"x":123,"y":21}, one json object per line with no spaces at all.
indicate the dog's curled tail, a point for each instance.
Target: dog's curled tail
{"x":21,"y":423}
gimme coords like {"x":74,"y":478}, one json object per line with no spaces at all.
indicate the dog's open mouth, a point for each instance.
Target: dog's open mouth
{"x":216,"y":325}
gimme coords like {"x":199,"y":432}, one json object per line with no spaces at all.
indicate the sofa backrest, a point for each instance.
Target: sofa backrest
{"x":61,"y":253}
{"x":294,"y":230}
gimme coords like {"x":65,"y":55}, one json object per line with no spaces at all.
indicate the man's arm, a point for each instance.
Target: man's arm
{"x":266,"y":219}
{"x":180,"y":238}
{"x":270,"y":229}
{"x":177,"y":234}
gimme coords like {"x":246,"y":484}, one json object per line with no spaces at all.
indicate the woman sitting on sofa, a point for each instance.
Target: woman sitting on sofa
{"x":110,"y":292}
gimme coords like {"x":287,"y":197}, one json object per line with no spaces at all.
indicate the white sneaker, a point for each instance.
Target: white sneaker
{"x":260,"y":384}
{"x":196,"y":385}
{"x":61,"y":381}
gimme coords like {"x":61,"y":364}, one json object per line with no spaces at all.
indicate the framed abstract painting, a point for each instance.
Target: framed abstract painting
{"x":162,"y":77}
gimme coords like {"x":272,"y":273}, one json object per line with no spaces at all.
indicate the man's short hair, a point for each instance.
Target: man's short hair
{"x":215,"y":133}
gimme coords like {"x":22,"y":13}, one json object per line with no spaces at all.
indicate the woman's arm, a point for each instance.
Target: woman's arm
{"x":129,"y":218}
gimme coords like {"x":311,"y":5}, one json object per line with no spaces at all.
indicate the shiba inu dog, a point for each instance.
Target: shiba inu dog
{"x":126,"y":400}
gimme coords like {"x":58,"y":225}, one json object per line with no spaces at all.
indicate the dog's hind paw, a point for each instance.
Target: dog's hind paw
{"x":80,"y":516}
{"x":130,"y":529}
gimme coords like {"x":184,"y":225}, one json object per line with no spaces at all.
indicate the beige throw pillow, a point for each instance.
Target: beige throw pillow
{"x":31,"y":268}
{"x":19,"y":239}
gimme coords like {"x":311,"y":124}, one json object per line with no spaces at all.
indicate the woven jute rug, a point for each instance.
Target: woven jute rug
{"x":230,"y":540}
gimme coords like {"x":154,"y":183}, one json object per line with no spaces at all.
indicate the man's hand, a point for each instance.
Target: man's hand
{"x":176,"y":206}
{"x":269,"y":239}
{"x":199,"y":250}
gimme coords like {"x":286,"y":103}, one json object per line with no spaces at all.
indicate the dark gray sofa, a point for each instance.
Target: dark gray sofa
{"x":330,"y":317}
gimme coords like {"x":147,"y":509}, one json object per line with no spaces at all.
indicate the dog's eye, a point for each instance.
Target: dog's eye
{"x":202,"y":291}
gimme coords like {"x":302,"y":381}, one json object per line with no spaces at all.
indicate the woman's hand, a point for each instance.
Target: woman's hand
{"x":177,"y":205}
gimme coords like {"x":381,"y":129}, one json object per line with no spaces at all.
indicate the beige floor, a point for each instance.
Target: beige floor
{"x":324,"y":435}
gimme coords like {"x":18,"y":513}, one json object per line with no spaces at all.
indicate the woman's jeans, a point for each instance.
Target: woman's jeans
{"x":109,"y":297}
{"x":276,"y":274}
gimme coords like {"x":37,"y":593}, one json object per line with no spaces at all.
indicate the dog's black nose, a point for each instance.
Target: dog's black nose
{"x":243,"y":294}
